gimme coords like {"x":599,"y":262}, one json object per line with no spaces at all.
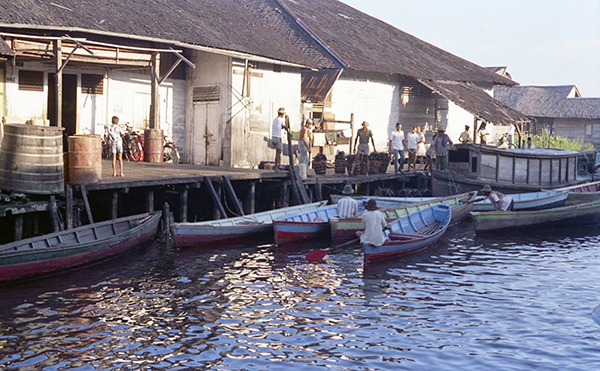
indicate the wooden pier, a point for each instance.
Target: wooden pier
{"x":193,"y":193}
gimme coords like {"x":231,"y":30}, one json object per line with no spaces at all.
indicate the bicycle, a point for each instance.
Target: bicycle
{"x":132,"y":147}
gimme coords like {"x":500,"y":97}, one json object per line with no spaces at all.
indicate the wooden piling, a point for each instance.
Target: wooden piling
{"x":183,"y":204}
{"x":69,"y":206}
{"x":150,"y":201}
{"x":114,"y":205}
{"x":18,"y":227}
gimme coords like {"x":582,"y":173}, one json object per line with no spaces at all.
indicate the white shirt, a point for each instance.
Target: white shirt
{"x":278,"y":124}
{"x":114,"y":133}
{"x":503,"y":202}
{"x":347,"y":207}
{"x":374,"y":223}
{"x":413,"y":139}
{"x":397,"y":139}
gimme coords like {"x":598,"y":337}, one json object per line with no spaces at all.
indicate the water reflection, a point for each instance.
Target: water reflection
{"x":468,"y":302}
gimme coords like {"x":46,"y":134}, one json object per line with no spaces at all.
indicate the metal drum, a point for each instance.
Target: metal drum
{"x":153,"y":145}
{"x":31,"y":159}
{"x":85,"y":159}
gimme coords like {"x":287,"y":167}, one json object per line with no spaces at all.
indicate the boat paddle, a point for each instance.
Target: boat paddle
{"x":317,"y":255}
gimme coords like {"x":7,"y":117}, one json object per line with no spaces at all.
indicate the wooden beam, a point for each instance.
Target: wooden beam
{"x":86,"y":204}
{"x":319,"y":190}
{"x":58,"y":81}
{"x":114,"y":205}
{"x":150,"y":200}
{"x":18,"y":227}
{"x":250,"y":202}
{"x":183,"y":205}
{"x":54,"y":215}
{"x":154,"y":98}
{"x":221,"y":213}
{"x":69,"y":206}
{"x":232,"y":195}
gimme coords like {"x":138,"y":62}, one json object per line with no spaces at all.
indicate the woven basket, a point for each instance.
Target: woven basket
{"x":320,"y":167}
{"x":340,"y":166}
{"x":374,"y":166}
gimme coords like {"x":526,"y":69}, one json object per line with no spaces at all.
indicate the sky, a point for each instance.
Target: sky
{"x":549,"y":42}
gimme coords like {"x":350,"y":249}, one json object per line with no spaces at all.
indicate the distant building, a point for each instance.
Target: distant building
{"x":558,"y":109}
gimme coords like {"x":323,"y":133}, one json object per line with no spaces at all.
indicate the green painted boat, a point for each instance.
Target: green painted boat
{"x":576,"y":214}
{"x":583,"y":192}
{"x":345,"y":229}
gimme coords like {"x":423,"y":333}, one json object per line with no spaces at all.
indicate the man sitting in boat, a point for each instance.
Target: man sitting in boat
{"x":500,"y":201}
{"x":347,"y":207}
{"x":375,"y":223}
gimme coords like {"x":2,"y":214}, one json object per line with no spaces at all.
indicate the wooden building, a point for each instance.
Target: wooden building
{"x":560,"y":110}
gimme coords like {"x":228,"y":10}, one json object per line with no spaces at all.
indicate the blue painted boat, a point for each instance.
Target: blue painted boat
{"x":313,"y":223}
{"x":412,"y":233}
{"x":236,"y":229}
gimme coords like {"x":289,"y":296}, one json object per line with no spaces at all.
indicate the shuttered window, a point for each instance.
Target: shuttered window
{"x":92,"y":84}
{"x":206,"y":93}
{"x":31,"y":80}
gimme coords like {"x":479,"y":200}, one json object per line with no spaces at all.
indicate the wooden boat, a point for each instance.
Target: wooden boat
{"x":583,"y":192}
{"x":569,"y":215}
{"x":507,"y":170}
{"x":233,"y":229}
{"x":411,"y":233}
{"x":345,"y":229}
{"x":529,"y":201}
{"x":57,"y":252}
{"x":311,"y":224}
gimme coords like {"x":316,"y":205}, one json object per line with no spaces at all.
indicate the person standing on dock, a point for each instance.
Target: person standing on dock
{"x":347,"y":207}
{"x":116,"y":145}
{"x":375,"y":223}
{"x":279,"y":123}
{"x":465,"y":136}
{"x":529,"y":144}
{"x":441,"y":144}
{"x":421,"y":151}
{"x":500,"y":201}
{"x":362,"y":150}
{"x":304,"y":146}
{"x":396,"y":147}
{"x":413,"y":144}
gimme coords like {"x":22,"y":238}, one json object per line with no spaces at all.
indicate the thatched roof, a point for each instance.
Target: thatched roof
{"x":257,"y":27}
{"x":549,"y":101}
{"x":369,"y":44}
{"x":476,"y":101}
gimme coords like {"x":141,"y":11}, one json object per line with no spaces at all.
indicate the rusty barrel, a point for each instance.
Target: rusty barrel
{"x":85,"y":159}
{"x":153,"y":145}
{"x":31,"y":159}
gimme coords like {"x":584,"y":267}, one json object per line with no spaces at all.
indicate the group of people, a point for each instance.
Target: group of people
{"x":414,"y":144}
{"x":506,"y":141}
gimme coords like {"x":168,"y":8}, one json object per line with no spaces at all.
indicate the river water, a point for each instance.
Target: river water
{"x":469,"y":302}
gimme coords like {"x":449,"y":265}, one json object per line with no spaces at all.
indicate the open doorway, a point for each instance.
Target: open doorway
{"x":69,"y":103}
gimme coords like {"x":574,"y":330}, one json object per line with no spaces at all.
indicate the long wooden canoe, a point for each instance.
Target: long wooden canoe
{"x":529,"y":201}
{"x":583,"y":192}
{"x":411,"y":233}
{"x":570,"y":215}
{"x":233,"y":229}
{"x":57,"y":252}
{"x":345,"y":229}
{"x":311,"y":224}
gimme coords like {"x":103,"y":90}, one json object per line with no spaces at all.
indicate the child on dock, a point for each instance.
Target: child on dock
{"x":116,"y":145}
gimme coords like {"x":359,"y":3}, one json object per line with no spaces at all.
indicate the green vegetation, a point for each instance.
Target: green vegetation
{"x":557,"y":142}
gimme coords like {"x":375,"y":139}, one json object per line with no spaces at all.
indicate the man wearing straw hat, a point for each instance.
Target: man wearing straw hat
{"x":279,"y":123}
{"x":500,"y":201}
{"x":362,"y":138}
{"x":347,"y":207}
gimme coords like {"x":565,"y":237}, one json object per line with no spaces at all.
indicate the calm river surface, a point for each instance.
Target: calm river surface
{"x":467,"y":303}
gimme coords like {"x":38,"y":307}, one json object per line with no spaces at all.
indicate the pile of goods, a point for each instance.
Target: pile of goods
{"x":378,"y":162}
{"x":319,"y":164}
{"x":340,"y":163}
{"x":361,"y":166}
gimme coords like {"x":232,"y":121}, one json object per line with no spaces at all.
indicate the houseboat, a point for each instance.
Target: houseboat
{"x":470,"y":167}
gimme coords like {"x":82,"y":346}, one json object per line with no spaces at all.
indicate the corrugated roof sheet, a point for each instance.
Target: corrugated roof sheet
{"x":476,"y":101}
{"x":548,"y":101}
{"x":5,"y":50}
{"x":369,"y":44}
{"x":257,"y":27}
